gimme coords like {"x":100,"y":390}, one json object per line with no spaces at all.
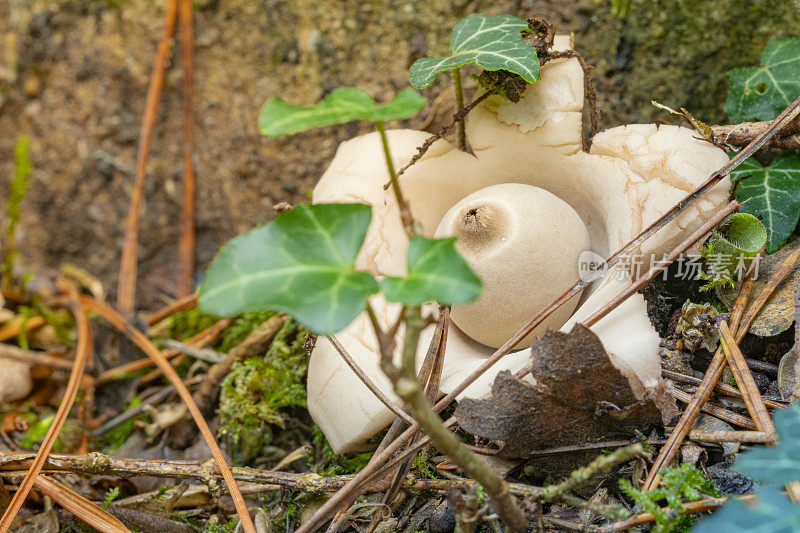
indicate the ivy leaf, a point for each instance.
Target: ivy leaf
{"x":772,"y":513}
{"x":774,"y":194}
{"x":491,"y":42}
{"x":777,"y":464}
{"x":344,"y":104}
{"x":301,"y":263}
{"x":763,"y":92}
{"x":436,"y":272}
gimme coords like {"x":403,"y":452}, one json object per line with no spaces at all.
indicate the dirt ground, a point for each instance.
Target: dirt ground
{"x":74,"y":73}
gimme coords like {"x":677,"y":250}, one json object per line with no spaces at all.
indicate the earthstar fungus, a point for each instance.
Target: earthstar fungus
{"x":531,"y":183}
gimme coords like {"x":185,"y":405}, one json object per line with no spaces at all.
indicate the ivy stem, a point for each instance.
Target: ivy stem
{"x":407,"y":387}
{"x":405,"y":212}
{"x":462,"y":133}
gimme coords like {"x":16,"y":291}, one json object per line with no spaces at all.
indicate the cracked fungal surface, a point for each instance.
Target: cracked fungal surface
{"x":630,"y":177}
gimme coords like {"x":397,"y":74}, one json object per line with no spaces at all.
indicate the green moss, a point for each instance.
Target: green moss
{"x":189,"y":323}
{"x":678,"y":485}
{"x":258,"y":391}
{"x":678,"y":52}
{"x":326,"y":463}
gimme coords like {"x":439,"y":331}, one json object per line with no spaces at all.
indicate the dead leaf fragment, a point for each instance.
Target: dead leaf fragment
{"x":578,"y":397}
{"x":778,"y":313}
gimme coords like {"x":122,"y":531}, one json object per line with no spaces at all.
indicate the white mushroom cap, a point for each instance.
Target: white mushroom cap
{"x":631,"y":176}
{"x":507,"y":234}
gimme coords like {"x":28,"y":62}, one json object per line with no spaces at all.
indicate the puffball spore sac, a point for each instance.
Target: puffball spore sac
{"x":524,"y":243}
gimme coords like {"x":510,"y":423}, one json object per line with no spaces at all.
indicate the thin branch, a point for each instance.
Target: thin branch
{"x":719,"y":412}
{"x":600,"y":465}
{"x":126,"y":290}
{"x":407,"y":386}
{"x":720,"y":387}
{"x":458,"y":117}
{"x":185,"y":281}
{"x":687,"y":508}
{"x":204,"y":354}
{"x":181,"y":304}
{"x":462,"y":133}
{"x":8,"y":351}
{"x":83,"y":353}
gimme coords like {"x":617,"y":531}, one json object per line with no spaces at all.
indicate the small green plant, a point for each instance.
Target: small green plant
{"x":423,"y":466}
{"x":493,"y":43}
{"x":678,"y":485}
{"x":19,"y":186}
{"x":111,"y":495}
{"x":730,"y":250}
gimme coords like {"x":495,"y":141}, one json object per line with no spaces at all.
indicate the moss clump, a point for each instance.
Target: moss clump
{"x":259,"y":391}
{"x":187,"y":324}
{"x":677,"y":52}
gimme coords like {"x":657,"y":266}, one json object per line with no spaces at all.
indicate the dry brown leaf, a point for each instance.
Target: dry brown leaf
{"x":579,"y":397}
{"x":778,"y":313}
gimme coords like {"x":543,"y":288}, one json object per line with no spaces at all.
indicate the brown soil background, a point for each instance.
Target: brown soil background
{"x":73,"y":76}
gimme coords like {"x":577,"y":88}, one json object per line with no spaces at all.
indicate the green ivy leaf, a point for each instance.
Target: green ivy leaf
{"x":344,"y":104}
{"x":491,"y":42}
{"x":777,"y":464}
{"x":772,"y":513}
{"x":774,"y":194}
{"x":301,"y":263}
{"x":436,"y":272}
{"x":763,"y":92}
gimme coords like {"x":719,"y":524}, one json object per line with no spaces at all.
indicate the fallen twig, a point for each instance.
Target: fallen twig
{"x":14,"y":328}
{"x":205,"y":337}
{"x":721,"y":388}
{"x":8,"y":351}
{"x":184,"y":283}
{"x":87,"y":511}
{"x":719,"y":412}
{"x":126,"y":289}
{"x":83,"y":353}
{"x":139,"y":338}
{"x":181,"y":304}
{"x":687,"y":508}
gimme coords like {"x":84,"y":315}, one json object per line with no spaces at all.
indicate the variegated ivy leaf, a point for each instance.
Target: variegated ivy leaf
{"x":773,"y":193}
{"x":344,"y":104}
{"x":761,"y":93}
{"x":491,"y":42}
{"x":301,"y":263}
{"x":436,"y":272}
